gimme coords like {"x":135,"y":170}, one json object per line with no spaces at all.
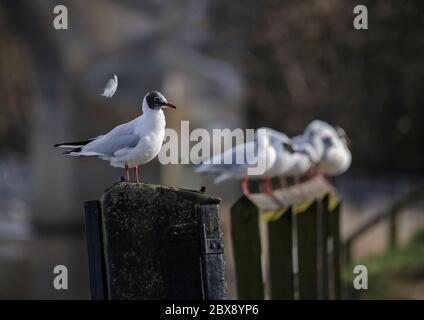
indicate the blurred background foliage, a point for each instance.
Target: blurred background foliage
{"x":304,"y":60}
{"x":393,"y":274}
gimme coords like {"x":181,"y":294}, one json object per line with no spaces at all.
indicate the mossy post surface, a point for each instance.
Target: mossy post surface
{"x":161,"y":243}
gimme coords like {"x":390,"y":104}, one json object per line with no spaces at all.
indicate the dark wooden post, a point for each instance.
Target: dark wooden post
{"x":247,"y":249}
{"x":307,"y":239}
{"x":96,"y":263}
{"x":155,"y":242}
{"x":334,"y":232}
{"x":281,"y":256}
{"x":324,"y":234}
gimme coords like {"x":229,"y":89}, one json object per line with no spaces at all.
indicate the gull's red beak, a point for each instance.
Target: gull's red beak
{"x":170,"y":105}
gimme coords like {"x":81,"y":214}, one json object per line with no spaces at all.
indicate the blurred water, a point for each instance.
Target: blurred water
{"x":28,"y":256}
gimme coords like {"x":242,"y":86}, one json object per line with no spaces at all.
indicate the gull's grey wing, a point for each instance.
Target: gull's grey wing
{"x":119,"y":138}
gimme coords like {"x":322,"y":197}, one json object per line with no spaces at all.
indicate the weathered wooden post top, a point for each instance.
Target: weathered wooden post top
{"x":154,"y":242}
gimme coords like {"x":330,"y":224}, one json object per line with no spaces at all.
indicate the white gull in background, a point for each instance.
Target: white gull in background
{"x":110,"y":87}
{"x":131,"y":144}
{"x":327,"y":146}
{"x":337,"y":156}
{"x":283,"y":149}
{"x":240,"y":171}
{"x":291,"y":159}
{"x":309,"y":142}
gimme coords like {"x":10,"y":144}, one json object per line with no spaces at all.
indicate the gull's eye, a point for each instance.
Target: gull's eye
{"x":156,"y":99}
{"x":328,"y":142}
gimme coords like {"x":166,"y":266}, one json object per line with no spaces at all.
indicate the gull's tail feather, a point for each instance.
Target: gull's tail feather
{"x":73,"y":145}
{"x":75,"y":148}
{"x":78,"y":152}
{"x":73,"y":152}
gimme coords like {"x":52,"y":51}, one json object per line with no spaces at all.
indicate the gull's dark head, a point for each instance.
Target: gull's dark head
{"x":343,"y":136}
{"x":156,"y":101}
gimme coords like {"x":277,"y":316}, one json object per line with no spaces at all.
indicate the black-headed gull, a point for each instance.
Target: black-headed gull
{"x":131,"y":144}
{"x":327,"y":146}
{"x":310,"y":142}
{"x":337,"y":156}
{"x":284,"y":150}
{"x":291,"y":160}
{"x":235,"y":170}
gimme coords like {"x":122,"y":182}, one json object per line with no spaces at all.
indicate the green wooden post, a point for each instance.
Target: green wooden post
{"x":281,"y":256}
{"x":334,"y":230}
{"x":324,"y":223}
{"x":307,"y":239}
{"x":247,"y":249}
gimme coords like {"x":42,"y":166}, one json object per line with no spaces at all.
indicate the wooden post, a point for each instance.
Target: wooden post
{"x":324,"y":233}
{"x":334,"y":231}
{"x":281,"y":256}
{"x":96,"y":264}
{"x":157,"y":243}
{"x":247,"y":249}
{"x":307,"y":238}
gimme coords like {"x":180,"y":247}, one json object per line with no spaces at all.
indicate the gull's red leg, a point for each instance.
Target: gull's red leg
{"x":126,"y":173}
{"x":245,"y":186}
{"x":136,"y":173}
{"x":312,"y":172}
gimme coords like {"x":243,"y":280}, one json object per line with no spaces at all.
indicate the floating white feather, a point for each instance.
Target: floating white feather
{"x":110,"y":87}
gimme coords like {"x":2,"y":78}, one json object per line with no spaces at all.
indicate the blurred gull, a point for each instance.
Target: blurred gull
{"x":284,"y":151}
{"x":240,"y":171}
{"x":281,"y":159}
{"x":309,"y":142}
{"x":131,"y":144}
{"x":337,"y":156}
{"x":327,"y":147}
{"x":110,"y":87}
{"x":289,"y":161}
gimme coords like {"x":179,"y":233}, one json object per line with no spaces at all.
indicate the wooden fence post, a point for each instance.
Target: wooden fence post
{"x":96,"y":263}
{"x":156,"y":243}
{"x":307,"y":248}
{"x":247,"y":249}
{"x":334,"y":232}
{"x":315,"y":223}
{"x":324,"y":235}
{"x":280,"y":235}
